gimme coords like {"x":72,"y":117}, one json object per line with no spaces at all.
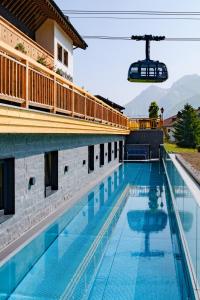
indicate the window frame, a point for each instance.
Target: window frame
{"x":101,"y":155}
{"x":50,"y":183}
{"x":109,"y":152}
{"x":121,"y":151}
{"x":58,"y":52}
{"x":115,"y":150}
{"x":8,"y":179}
{"x":90,"y":159}
{"x":67,"y":53}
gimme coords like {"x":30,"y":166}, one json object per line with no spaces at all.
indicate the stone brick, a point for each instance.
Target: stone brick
{"x":31,"y":204}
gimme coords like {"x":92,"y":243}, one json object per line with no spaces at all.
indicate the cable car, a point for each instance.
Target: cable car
{"x":147,"y":70}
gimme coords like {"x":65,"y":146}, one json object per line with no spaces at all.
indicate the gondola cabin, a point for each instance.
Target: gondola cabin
{"x":147,"y":70}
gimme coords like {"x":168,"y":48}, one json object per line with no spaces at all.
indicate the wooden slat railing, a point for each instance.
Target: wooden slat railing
{"x":12,"y":79}
{"x":13,"y":36}
{"x":33,"y":85}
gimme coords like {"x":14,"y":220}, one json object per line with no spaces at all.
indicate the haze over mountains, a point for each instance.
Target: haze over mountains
{"x":184,"y":90}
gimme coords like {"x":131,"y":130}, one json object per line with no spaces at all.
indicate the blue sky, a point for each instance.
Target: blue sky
{"x":102,"y":68}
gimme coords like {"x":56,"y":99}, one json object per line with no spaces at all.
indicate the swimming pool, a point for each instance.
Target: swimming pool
{"x":120,"y":241}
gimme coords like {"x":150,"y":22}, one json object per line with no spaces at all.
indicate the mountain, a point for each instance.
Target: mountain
{"x":185,"y":90}
{"x":139,"y":106}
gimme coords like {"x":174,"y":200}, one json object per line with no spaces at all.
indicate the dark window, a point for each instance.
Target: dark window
{"x":65,"y":58}
{"x":109,"y":152}
{"x":90,"y":158}
{"x":120,"y":150}
{"x":1,"y":186}
{"x":115,"y":153}
{"x":7,"y":186}
{"x":101,"y":155}
{"x":60,"y":54}
{"x":51,"y":172}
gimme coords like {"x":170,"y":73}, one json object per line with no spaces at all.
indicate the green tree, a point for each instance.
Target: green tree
{"x":153,"y":110}
{"x":187,"y":128}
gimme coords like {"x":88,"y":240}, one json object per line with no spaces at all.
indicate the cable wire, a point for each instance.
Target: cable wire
{"x":136,"y":12}
{"x":127,"y":38}
{"x":136,"y":18}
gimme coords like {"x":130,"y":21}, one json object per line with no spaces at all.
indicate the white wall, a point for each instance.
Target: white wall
{"x":60,"y":37}
{"x":49,"y":35}
{"x":170,"y":133}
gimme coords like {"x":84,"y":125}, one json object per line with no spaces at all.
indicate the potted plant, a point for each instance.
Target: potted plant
{"x":60,"y":72}
{"x":42,"y":60}
{"x":21,"y":48}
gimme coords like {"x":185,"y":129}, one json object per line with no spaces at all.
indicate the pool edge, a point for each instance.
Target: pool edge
{"x":189,"y":264}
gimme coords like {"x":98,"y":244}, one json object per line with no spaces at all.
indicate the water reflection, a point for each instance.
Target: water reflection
{"x":186,"y":220}
{"x":149,"y":221}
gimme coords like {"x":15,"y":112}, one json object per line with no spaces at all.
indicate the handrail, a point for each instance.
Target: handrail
{"x":145,"y":123}
{"x":31,"y":84}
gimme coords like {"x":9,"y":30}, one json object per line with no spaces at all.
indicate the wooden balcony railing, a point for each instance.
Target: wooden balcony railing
{"x":30,"y":84}
{"x":10,"y":35}
{"x":145,"y":123}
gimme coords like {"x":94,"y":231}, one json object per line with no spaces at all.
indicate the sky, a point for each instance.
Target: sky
{"x":102,"y":68}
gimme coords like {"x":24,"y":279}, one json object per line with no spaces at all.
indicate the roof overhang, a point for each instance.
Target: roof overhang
{"x":110,"y":103}
{"x":31,"y":14}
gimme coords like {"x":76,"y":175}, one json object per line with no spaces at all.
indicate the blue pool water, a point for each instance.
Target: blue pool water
{"x":120,"y":241}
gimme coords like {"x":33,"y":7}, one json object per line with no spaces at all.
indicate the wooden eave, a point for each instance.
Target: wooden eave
{"x":33,"y":13}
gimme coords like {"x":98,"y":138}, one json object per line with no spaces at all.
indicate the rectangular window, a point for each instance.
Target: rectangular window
{"x":101,"y":155}
{"x":1,"y":186}
{"x":90,"y":158}
{"x":109,"y":152}
{"x":120,"y":151}
{"x":51,"y":172}
{"x":59,"y":52}
{"x":65,"y":58}
{"x":7,"y":186}
{"x":115,"y":153}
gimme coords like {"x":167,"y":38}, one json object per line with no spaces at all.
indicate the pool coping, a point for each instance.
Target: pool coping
{"x":14,"y":247}
{"x":189,"y":168}
{"x":183,"y":173}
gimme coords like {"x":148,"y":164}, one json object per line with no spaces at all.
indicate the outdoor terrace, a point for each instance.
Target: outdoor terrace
{"x":145,"y":123}
{"x":30,"y":85}
{"x":11,"y":36}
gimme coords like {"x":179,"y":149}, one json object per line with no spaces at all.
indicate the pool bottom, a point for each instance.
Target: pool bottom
{"x":121,"y":244}
{"x":140,"y":262}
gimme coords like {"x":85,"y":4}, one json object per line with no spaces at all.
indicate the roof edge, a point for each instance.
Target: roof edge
{"x":83,"y":44}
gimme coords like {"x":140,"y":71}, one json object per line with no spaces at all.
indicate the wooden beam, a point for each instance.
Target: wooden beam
{"x":18,"y":120}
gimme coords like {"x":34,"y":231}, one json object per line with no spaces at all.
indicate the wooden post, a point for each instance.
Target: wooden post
{"x":95,"y":109}
{"x":55,"y":95}
{"x":72,"y":101}
{"x":27,"y":86}
{"x":85,"y":104}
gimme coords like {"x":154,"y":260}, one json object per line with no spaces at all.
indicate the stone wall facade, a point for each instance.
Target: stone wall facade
{"x":31,"y":205}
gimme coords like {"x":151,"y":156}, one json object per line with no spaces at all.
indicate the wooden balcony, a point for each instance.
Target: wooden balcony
{"x":28,"y":84}
{"x":11,"y":36}
{"x":145,"y":123}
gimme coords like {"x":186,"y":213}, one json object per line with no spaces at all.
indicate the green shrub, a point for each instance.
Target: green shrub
{"x":42,"y":60}
{"x":21,"y":48}
{"x":198,"y":148}
{"x":60,"y":72}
